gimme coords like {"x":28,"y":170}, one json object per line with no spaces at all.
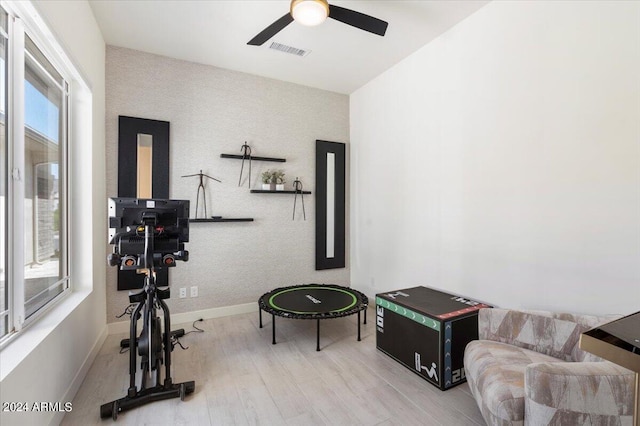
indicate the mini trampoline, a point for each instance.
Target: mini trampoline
{"x":312,"y":301}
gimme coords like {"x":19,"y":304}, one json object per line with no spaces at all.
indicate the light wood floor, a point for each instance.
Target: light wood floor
{"x":241,"y":378}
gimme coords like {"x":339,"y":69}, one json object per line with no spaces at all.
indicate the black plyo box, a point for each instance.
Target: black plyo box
{"x":427,"y":330}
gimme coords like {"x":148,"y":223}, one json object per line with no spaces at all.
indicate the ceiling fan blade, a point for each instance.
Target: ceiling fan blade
{"x":271,"y":30}
{"x":358,"y":20}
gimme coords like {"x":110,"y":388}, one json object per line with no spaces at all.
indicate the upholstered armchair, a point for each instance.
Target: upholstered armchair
{"x":527,"y":369}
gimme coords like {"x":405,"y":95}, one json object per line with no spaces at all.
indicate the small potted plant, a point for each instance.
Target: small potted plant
{"x":268,"y":181}
{"x":279,"y":177}
{"x":273,"y":180}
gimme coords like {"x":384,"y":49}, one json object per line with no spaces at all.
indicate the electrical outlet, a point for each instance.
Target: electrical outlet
{"x":183,"y":292}
{"x":194,"y":291}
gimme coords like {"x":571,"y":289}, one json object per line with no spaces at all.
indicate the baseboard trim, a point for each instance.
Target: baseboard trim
{"x":189,"y":317}
{"x":72,"y":390}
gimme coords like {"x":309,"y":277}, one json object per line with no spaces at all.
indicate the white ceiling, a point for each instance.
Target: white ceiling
{"x":216,"y":32}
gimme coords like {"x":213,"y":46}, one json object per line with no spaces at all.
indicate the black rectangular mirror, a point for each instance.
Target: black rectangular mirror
{"x":330,"y":205}
{"x":143,"y":172}
{"x":141,"y":140}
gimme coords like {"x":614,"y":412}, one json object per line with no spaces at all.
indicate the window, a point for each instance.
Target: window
{"x":33,"y":178}
{"x":45,"y":93}
{"x":4,"y":294}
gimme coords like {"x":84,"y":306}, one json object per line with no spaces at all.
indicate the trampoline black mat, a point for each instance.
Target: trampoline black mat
{"x":312,"y":301}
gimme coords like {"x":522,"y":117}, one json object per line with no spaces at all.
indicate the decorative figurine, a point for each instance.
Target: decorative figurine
{"x":246,"y":154}
{"x":297,"y":187}
{"x":204,"y":195}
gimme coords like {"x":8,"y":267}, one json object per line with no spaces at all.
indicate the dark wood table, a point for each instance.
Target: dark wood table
{"x":619,"y":342}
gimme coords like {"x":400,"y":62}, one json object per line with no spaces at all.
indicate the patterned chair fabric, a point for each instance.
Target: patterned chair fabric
{"x":527,"y":369}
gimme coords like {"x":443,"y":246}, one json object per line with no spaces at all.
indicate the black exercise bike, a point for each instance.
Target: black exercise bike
{"x":148,"y":235}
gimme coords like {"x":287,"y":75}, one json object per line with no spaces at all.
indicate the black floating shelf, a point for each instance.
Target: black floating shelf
{"x":253,"y":158}
{"x":223,"y":219}
{"x":265,"y":191}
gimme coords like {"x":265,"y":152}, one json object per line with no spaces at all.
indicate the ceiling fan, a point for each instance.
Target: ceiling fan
{"x":314,"y":12}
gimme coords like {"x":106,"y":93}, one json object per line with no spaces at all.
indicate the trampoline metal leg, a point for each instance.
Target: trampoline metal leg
{"x":318,"y":336}
{"x":273,"y":328}
{"x":365,"y":315}
{"x":260,"y":315}
{"x":359,"y":324}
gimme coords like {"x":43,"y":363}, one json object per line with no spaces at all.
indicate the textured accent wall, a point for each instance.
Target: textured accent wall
{"x":214,"y":111}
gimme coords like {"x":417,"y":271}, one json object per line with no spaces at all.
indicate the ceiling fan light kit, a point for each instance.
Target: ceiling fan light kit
{"x":315,"y":12}
{"x":309,"y":12}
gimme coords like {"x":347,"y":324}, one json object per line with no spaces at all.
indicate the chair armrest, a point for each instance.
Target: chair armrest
{"x":553,"y":334}
{"x":578,"y":393}
{"x":489,"y":325}
{"x":506,"y":325}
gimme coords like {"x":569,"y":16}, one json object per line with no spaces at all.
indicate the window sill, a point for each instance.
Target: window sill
{"x":20,"y":345}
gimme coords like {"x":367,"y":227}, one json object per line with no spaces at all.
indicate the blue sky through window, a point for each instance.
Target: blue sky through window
{"x":41,"y":114}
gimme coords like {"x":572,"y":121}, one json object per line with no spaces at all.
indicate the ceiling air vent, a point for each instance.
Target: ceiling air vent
{"x":288,"y":49}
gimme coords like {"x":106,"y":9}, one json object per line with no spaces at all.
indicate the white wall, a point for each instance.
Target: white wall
{"x":48,"y":362}
{"x":502,"y":161}
{"x":213,"y":111}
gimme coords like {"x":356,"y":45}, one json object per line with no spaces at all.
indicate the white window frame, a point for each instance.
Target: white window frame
{"x":31,"y":25}
{"x":6,"y":312}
